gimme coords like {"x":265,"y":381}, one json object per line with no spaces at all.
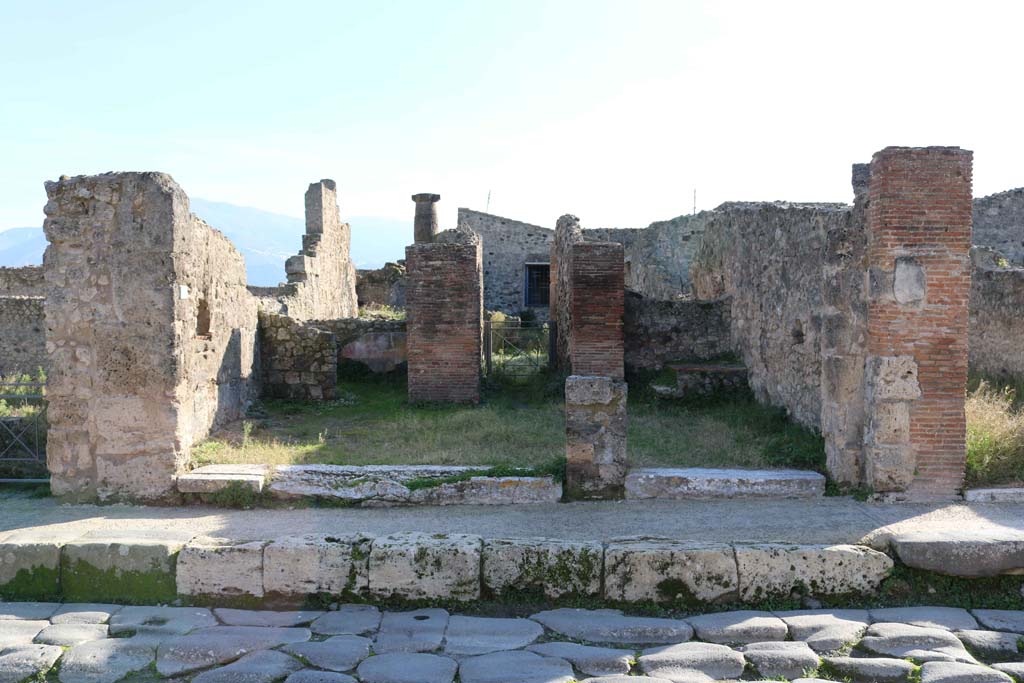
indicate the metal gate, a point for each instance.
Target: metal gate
{"x":517,"y":348}
{"x":23,"y":427}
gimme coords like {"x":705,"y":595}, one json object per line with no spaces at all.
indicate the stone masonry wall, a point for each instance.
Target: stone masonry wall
{"x":919,"y":238}
{"x":321,"y":277}
{"x":445,"y":317}
{"x":999,"y":224}
{"x":377,"y":343}
{"x":150,"y":334}
{"x":659,"y":332}
{"x":299,"y":360}
{"x":24,"y":281}
{"x":996,"y":318}
{"x":22,"y":335}
{"x":596,"y":296}
{"x":567,"y":233}
{"x":383,"y":286}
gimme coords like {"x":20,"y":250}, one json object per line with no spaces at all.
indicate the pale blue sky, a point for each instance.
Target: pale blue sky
{"x":612,"y":110}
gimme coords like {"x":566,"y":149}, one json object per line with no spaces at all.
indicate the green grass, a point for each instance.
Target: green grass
{"x":516,"y":425}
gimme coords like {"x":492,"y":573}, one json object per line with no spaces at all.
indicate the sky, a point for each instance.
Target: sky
{"x":615,"y":111}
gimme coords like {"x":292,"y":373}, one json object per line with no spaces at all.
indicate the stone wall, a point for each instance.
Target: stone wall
{"x":377,"y":343}
{"x":321,"y":277}
{"x":382,"y":287}
{"x":24,"y":281}
{"x":567,"y":233}
{"x":150,"y":332}
{"x":299,"y":360}
{"x":445,"y":317}
{"x":999,"y":224}
{"x":768,"y":259}
{"x":658,"y":332}
{"x":919,"y":238}
{"x":996,"y":327}
{"x":22,"y":335}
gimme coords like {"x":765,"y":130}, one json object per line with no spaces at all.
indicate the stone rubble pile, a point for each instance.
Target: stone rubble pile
{"x":101,"y":643}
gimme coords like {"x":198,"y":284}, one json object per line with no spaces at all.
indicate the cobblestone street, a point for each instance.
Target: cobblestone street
{"x":94,"y":643}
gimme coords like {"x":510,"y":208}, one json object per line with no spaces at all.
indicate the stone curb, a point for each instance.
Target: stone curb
{"x":419,"y":566}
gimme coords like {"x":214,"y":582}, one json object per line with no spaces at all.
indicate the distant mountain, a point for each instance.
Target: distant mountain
{"x":265,"y":239}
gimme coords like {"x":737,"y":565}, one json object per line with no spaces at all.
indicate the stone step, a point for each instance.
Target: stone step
{"x":374,"y":485}
{"x":996,"y":495}
{"x":699,"y":482}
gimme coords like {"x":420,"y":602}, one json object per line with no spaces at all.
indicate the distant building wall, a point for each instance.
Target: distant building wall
{"x":383,"y":286}
{"x":24,"y":281}
{"x":996,"y":318}
{"x":999,"y":224}
{"x":22,"y":335}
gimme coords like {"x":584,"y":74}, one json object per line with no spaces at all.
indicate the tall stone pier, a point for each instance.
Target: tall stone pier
{"x":919,"y":279}
{"x":444,"y":323}
{"x":595,"y":432}
{"x":597,"y":300}
{"x":425,"y":223}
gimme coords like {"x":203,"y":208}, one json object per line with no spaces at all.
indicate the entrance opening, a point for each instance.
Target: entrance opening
{"x":538,"y":284}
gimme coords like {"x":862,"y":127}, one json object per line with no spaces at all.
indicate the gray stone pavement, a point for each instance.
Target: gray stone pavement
{"x":827,"y":520}
{"x":197,"y":645}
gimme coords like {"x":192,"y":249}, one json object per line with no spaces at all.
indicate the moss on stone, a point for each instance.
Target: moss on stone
{"x":82,"y":582}
{"x":38,"y":583}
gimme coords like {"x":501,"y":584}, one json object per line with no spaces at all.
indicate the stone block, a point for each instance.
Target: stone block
{"x":908,"y":283}
{"x":123,"y":570}
{"x":893,"y":378}
{"x":595,"y":437}
{"x":889,"y":467}
{"x":556,"y":567}
{"x":700,"y":482}
{"x":774,"y":570}
{"x":425,"y":566}
{"x":669,"y":571}
{"x":29,"y":571}
{"x":307,"y":565}
{"x":890,"y":423}
{"x":219,"y":568}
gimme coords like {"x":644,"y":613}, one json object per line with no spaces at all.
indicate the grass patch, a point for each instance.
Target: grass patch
{"x":519,"y":424}
{"x":995,"y":433}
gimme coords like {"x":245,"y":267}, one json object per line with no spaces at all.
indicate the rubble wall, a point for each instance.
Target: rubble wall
{"x":22,"y":335}
{"x":658,"y":332}
{"x":24,"y":281}
{"x":996,"y":327}
{"x":999,"y":224}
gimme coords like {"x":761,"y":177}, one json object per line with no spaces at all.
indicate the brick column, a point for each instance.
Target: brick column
{"x":595,"y":430}
{"x":919,"y":239}
{"x":425,"y":223}
{"x":444,"y":304}
{"x":597,"y":300}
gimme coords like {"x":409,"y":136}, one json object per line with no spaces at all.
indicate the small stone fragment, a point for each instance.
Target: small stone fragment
{"x":739,"y":627}
{"x":408,"y":667}
{"x":480,"y":635}
{"x":348,"y":620}
{"x":515,"y":667}
{"x":956,"y":672}
{"x":691,"y":661}
{"x":265,"y":666}
{"x":71,"y":634}
{"x":421,"y":630}
{"x":611,"y":626}
{"x":595,"y":661}
{"x":338,"y":653}
{"x":781,"y":659}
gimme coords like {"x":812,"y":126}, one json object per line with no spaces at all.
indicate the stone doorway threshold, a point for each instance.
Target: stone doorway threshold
{"x":396,"y":485}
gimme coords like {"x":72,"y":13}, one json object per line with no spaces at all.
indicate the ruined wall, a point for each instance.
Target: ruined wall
{"x":445,"y":317}
{"x":377,"y":343}
{"x":996,"y":328}
{"x":382,"y":287}
{"x":999,"y":224}
{"x":567,"y":233}
{"x":24,"y":281}
{"x":919,"y":238}
{"x":768,"y":258}
{"x":508,"y":246}
{"x":299,"y":360}
{"x":150,"y":333}
{"x":321,"y":277}
{"x":659,"y":332}
{"x":22,"y":335}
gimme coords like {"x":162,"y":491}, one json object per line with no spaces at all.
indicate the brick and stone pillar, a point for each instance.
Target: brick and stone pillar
{"x":595,"y":430}
{"x":425,"y":223}
{"x":597,"y":302}
{"x":444,"y":309}
{"x":919,"y":240}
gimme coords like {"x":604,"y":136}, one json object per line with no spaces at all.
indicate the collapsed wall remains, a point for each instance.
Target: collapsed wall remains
{"x":657,"y":332}
{"x":445,"y":317}
{"x":150,"y":333}
{"x":999,"y":224}
{"x":996,"y":325}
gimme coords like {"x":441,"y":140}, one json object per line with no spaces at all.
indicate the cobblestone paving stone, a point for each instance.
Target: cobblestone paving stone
{"x":360,"y":644}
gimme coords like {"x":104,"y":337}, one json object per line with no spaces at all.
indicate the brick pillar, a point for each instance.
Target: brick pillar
{"x":425,"y":223}
{"x":597,"y":300}
{"x":919,"y":240}
{"x":595,"y":431}
{"x":444,"y":305}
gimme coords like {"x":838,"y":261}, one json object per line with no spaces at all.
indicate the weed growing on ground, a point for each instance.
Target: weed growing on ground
{"x":995,"y":434}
